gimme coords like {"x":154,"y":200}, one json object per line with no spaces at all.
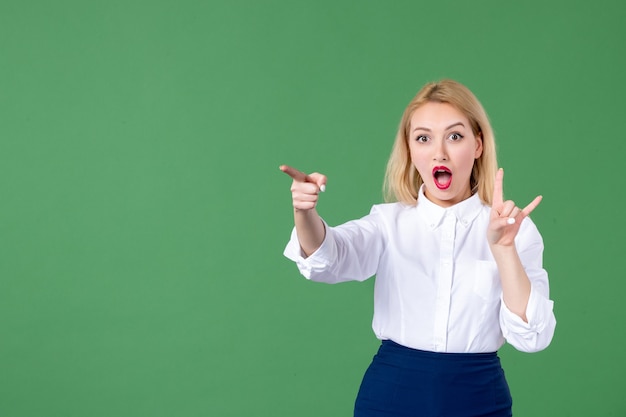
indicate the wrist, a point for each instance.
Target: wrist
{"x":502,"y":250}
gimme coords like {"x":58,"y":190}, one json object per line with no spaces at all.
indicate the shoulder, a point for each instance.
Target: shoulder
{"x":390,"y":215}
{"x":528,"y":236}
{"x":528,"y":227}
{"x":391,"y":209}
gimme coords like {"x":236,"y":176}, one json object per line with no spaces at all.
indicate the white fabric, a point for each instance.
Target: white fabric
{"x":437,"y":285}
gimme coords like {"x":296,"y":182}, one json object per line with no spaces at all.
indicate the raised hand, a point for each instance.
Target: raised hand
{"x":506,"y":217}
{"x":305,"y":188}
{"x":305,"y":191}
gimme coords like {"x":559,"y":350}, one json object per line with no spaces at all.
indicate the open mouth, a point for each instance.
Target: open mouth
{"x":442,"y":176}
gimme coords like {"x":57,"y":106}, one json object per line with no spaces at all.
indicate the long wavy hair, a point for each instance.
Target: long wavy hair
{"x":402,"y":180}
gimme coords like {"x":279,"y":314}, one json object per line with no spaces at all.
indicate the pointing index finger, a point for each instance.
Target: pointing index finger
{"x":295,"y":174}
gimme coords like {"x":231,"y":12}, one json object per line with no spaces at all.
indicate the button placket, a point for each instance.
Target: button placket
{"x":444,"y":281}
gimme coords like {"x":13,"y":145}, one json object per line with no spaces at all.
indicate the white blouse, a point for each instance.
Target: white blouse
{"x":437,"y":285}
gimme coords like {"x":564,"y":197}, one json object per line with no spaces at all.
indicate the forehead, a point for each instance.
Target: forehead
{"x":435,"y":115}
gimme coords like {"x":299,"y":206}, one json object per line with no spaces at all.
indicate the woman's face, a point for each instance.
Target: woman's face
{"x":443,"y":150}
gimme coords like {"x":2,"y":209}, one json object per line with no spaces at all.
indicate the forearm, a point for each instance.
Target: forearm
{"x":310,"y":230}
{"x":514,"y":280}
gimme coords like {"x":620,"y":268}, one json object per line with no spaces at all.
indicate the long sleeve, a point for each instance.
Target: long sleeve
{"x":437,"y":285}
{"x":537,"y":334}
{"x":349,"y":252}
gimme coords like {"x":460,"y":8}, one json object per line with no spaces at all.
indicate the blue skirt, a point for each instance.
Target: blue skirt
{"x":404,"y":382}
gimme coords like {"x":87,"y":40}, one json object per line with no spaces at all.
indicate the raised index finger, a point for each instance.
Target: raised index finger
{"x":295,"y":174}
{"x":497,"y":188}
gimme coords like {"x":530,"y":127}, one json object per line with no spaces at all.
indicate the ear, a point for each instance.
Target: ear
{"x":479,"y":146}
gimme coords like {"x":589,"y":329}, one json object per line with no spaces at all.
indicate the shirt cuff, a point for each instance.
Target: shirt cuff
{"x":318,"y":260}
{"x":538,"y":314}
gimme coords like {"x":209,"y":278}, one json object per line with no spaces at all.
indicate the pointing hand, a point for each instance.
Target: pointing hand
{"x":305,"y":188}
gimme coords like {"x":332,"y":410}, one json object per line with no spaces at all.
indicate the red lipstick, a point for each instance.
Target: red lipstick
{"x":442,"y":177}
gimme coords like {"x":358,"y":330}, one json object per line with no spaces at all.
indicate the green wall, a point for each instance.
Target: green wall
{"x":143,"y":215}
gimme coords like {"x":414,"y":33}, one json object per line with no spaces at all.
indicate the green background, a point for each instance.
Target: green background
{"x":143,"y":215}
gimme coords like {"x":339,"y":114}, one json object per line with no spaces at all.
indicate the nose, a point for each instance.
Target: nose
{"x":440,"y":152}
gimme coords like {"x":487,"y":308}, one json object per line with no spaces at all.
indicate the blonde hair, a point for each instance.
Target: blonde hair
{"x":402,"y":181}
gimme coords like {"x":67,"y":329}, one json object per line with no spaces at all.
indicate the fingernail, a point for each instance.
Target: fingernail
{"x":510,"y":220}
{"x":323,"y":187}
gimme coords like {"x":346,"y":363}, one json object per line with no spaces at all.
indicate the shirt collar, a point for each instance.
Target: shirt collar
{"x":465,"y":211}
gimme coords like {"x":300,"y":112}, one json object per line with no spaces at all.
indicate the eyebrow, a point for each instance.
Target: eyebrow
{"x":447,"y":128}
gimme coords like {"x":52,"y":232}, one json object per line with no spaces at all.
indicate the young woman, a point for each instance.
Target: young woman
{"x":458,"y":269}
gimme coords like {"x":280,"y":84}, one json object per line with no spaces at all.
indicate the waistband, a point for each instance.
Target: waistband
{"x":393,"y":352}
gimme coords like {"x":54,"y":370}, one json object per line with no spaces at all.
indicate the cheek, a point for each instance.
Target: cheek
{"x":469,"y":159}
{"x":417,"y":159}
{"x":421,"y":165}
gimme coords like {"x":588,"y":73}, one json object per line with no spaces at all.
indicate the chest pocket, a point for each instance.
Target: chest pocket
{"x":487,"y":281}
